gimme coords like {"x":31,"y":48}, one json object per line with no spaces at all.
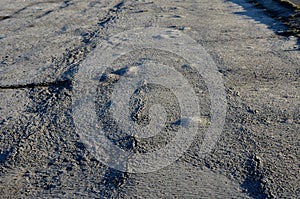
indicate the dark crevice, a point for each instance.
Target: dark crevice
{"x":4,"y":155}
{"x":112,"y":181}
{"x":44,"y":14}
{"x":63,"y":83}
{"x":254,"y":184}
{"x":88,"y":43}
{"x":66,"y":4}
{"x":119,"y":5}
{"x":106,"y":20}
{"x":110,"y":17}
{"x":4,"y":17}
{"x":70,"y":55}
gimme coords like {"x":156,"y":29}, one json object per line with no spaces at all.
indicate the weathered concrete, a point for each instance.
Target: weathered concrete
{"x":43,"y":44}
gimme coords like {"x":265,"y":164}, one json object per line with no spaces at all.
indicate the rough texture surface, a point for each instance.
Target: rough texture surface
{"x":42,"y":45}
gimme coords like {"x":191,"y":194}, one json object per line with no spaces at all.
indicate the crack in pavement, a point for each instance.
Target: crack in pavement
{"x":47,"y":130}
{"x":38,"y":85}
{"x":66,"y":2}
{"x":112,"y":180}
{"x":47,"y":96}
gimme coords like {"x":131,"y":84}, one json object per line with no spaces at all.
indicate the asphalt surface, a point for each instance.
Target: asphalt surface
{"x":43,"y":44}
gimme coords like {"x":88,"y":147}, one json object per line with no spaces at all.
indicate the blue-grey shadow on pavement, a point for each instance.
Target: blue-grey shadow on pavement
{"x":272,"y":12}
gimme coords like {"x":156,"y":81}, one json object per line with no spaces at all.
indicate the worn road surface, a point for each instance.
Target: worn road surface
{"x":43,"y":44}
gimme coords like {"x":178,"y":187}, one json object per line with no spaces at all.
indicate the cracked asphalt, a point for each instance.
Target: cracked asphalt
{"x":43,"y":44}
